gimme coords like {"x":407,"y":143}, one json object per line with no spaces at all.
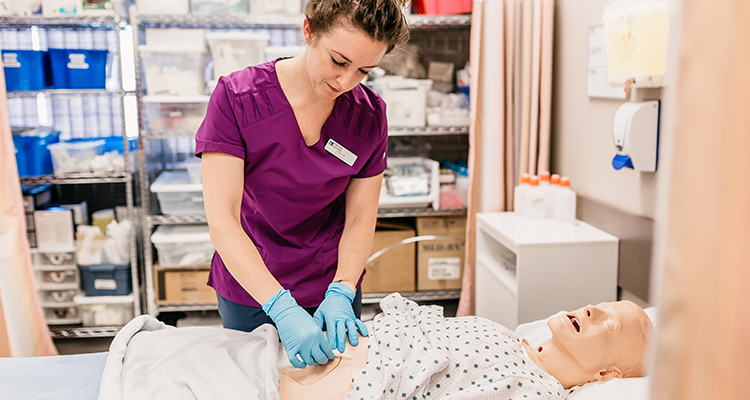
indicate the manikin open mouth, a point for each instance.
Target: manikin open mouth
{"x":575,"y":323}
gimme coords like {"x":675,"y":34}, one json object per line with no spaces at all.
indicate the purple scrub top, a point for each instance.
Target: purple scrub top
{"x":293,"y":203}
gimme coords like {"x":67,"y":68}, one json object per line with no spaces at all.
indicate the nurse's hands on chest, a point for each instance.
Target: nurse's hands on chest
{"x":298,"y":331}
{"x":337,"y":313}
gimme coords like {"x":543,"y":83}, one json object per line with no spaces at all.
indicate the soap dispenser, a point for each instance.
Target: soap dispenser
{"x":635,"y":131}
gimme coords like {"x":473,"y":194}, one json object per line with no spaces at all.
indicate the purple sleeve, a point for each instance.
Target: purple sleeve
{"x":219,"y":130}
{"x":378,"y":160}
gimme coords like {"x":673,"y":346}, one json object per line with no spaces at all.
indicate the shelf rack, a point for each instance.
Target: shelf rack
{"x":428,"y":295}
{"x":248,"y":21}
{"x":105,"y":22}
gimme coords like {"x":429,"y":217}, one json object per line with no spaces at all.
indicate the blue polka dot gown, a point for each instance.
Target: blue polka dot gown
{"x":416,"y":353}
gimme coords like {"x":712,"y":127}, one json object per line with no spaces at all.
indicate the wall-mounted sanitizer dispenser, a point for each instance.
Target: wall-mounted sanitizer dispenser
{"x":635,"y":131}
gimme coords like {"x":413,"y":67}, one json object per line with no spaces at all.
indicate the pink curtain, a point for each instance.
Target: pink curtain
{"x":520,"y":53}
{"x":23,"y":331}
{"x":703,"y":349}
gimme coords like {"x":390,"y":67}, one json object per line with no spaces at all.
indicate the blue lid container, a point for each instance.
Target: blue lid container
{"x":32,"y":156}
{"x":78,"y":68}
{"x":106,"y":279}
{"x":111,"y":143}
{"x":26,"y":70}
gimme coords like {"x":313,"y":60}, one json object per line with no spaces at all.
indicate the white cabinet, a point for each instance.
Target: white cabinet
{"x":528,"y":270}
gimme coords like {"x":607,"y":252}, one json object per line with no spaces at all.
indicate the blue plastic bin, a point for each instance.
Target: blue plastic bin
{"x":78,"y":68}
{"x":106,"y":279}
{"x":26,"y":69}
{"x":32,"y":156}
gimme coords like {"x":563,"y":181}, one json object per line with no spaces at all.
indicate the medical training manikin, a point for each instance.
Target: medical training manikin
{"x":593,"y":343}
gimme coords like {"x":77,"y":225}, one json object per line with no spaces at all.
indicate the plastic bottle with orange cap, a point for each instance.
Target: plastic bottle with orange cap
{"x":546,"y":196}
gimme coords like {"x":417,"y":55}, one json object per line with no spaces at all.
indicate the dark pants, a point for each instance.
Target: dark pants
{"x":246,"y":318}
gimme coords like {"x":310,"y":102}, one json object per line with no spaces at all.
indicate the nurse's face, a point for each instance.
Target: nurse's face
{"x":593,"y":333}
{"x":339,"y":59}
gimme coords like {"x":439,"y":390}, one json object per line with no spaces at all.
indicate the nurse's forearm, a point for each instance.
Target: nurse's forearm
{"x":242,"y":259}
{"x":356,"y":240}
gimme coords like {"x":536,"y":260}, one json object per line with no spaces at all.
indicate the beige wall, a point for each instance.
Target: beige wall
{"x":581,"y":126}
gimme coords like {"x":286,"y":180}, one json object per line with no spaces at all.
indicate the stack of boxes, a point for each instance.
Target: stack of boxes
{"x":421,"y":266}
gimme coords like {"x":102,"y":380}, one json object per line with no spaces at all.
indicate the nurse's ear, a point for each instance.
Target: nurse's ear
{"x":307,"y":32}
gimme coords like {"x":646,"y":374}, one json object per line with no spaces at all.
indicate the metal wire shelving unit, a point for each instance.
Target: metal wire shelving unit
{"x":105,"y":22}
{"x":151,"y":218}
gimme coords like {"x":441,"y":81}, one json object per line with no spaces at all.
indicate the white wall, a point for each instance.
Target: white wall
{"x":581,"y":127}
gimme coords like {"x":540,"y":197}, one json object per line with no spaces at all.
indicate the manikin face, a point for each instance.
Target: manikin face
{"x":338,"y":60}
{"x":593,"y":333}
{"x":584,"y":340}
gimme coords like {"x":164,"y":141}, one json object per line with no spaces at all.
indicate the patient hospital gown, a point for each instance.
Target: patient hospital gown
{"x":416,"y":353}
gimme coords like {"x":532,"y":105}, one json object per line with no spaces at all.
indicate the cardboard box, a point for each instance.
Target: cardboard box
{"x":440,"y":263}
{"x":183,"y":286}
{"x":394,"y":270}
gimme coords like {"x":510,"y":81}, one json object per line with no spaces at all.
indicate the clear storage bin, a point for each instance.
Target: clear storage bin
{"x":173,"y":70}
{"x":183,"y":246}
{"x":63,"y":259}
{"x":105,"y":310}
{"x":406,"y":99}
{"x":177,"y":196}
{"x":431,"y":198}
{"x":234,"y":51}
{"x":193,"y":166}
{"x":62,"y":314}
{"x":57,"y":296}
{"x":175,"y":112}
{"x":74,"y":157}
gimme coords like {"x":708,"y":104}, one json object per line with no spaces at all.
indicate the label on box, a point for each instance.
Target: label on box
{"x":443,"y":268}
{"x":105,"y":284}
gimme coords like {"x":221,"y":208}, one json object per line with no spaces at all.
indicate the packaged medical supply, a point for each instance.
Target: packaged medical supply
{"x":411,"y":182}
{"x":177,"y":195}
{"x":218,"y":6}
{"x":565,"y":202}
{"x":97,"y":7}
{"x":105,"y":310}
{"x":440,"y":262}
{"x":54,"y":228}
{"x":79,"y":68}
{"x":54,"y":8}
{"x":406,"y":99}
{"x":80,"y":212}
{"x":74,"y":157}
{"x":33,"y":158}
{"x":533,"y":205}
{"x":102,"y":218}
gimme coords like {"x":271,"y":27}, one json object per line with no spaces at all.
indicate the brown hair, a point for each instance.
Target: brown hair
{"x":631,"y":359}
{"x":381,"y":19}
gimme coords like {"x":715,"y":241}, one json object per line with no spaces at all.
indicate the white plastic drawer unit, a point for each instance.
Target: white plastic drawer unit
{"x":57,"y":279}
{"x":62,"y":314}
{"x":528,"y":270}
{"x":60,"y":258}
{"x":177,"y":195}
{"x":50,"y":297}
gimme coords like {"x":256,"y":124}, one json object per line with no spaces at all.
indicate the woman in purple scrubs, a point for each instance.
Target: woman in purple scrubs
{"x":293,"y":157}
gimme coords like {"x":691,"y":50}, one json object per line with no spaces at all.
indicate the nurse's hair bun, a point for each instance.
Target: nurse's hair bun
{"x":383,"y":20}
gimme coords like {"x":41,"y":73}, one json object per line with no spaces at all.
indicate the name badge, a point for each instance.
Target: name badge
{"x":341,"y":152}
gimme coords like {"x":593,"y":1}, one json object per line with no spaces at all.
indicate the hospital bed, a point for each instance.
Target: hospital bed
{"x":79,"y":376}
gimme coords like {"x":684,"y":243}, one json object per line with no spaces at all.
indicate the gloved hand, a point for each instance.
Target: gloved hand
{"x":337,"y":313}
{"x":297,"y":331}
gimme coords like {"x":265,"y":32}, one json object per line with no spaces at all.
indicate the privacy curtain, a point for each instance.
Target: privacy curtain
{"x":703,"y":349}
{"x":511,"y":98}
{"x":23,"y":331}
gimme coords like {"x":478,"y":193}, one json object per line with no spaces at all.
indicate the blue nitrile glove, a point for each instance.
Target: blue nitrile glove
{"x":337,"y":313}
{"x":297,"y":331}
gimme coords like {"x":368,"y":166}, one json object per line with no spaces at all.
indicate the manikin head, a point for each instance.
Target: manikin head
{"x":596,"y":343}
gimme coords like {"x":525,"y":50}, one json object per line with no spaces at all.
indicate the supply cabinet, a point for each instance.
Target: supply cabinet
{"x":528,"y":270}
{"x":81,"y":111}
{"x":171,"y":192}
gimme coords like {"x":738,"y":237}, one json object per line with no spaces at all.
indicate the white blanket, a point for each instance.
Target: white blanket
{"x":151,"y":360}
